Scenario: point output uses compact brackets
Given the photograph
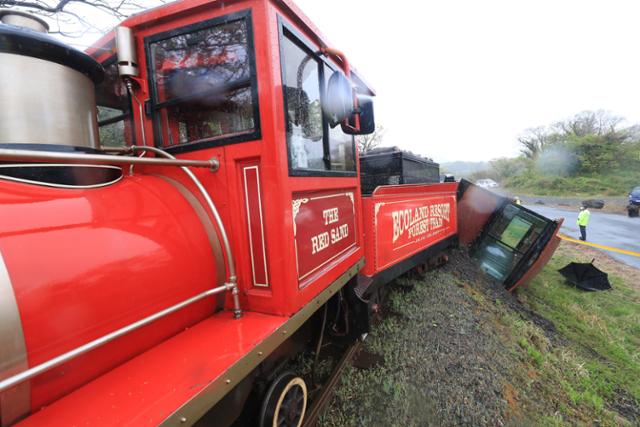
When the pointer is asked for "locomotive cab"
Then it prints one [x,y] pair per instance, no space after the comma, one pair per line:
[255,86]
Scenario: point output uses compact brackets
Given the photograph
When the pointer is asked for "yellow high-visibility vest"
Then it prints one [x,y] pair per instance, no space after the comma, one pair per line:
[583,217]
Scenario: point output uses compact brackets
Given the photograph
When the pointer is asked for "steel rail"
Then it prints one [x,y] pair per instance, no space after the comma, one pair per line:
[65,357]
[324,398]
[103,159]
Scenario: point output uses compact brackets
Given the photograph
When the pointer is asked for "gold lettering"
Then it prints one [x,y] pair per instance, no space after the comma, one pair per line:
[330,216]
[319,242]
[339,233]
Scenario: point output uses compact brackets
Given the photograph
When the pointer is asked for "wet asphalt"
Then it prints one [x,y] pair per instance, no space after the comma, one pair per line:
[605,229]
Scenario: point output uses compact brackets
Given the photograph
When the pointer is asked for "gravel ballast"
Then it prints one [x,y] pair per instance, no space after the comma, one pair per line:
[455,349]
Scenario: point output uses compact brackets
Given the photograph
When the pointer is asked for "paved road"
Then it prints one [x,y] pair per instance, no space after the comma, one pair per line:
[605,229]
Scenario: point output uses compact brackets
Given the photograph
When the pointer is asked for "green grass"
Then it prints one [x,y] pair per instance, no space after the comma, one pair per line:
[602,332]
[575,374]
[592,362]
[618,184]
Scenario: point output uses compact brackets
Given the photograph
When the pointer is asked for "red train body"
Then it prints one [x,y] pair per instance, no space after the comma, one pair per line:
[86,259]
[121,297]
[402,221]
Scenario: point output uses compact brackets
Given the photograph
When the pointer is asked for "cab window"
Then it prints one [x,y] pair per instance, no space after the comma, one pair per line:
[341,145]
[508,241]
[305,135]
[114,108]
[314,147]
[204,86]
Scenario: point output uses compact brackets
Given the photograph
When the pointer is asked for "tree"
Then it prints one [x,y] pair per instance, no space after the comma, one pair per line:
[504,168]
[75,18]
[533,141]
[371,141]
[598,122]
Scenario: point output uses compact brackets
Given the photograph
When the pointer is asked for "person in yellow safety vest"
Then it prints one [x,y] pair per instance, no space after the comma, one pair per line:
[583,221]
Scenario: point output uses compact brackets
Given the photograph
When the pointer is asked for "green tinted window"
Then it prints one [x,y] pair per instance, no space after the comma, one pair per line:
[515,231]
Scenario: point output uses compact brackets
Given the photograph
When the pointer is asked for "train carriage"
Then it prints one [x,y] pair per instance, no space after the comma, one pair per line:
[180,203]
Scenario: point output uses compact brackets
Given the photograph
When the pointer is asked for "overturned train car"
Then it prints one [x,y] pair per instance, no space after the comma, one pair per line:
[179,203]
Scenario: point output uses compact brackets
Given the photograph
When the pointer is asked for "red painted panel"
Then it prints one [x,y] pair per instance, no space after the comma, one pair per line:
[543,258]
[150,387]
[84,263]
[475,208]
[324,228]
[255,222]
[402,223]
[408,226]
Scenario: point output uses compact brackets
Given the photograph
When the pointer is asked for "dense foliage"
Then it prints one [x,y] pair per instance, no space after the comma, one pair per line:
[590,153]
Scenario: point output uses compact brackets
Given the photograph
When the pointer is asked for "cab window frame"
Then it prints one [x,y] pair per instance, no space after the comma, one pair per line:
[127,109]
[153,106]
[287,31]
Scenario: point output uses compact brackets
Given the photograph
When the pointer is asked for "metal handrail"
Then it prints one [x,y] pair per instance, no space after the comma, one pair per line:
[103,159]
[231,277]
[169,160]
[65,357]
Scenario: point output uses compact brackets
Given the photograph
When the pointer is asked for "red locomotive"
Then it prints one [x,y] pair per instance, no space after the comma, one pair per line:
[163,254]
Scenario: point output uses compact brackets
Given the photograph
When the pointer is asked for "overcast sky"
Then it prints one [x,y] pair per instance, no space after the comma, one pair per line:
[460,79]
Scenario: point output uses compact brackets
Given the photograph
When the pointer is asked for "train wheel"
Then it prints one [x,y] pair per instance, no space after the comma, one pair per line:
[420,270]
[285,402]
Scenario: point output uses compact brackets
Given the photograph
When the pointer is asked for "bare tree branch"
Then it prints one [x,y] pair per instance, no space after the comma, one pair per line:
[71,18]
[369,142]
[533,141]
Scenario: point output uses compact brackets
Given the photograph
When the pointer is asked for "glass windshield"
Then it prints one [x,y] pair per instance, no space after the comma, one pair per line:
[341,147]
[515,231]
[114,109]
[304,113]
[204,84]
[314,146]
[508,240]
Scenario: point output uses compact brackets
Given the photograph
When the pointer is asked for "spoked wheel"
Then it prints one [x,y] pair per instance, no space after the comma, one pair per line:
[285,402]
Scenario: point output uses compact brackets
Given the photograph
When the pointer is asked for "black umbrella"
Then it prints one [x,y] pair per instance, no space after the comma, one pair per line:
[586,276]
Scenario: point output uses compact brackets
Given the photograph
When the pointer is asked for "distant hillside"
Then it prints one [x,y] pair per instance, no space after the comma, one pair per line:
[463,169]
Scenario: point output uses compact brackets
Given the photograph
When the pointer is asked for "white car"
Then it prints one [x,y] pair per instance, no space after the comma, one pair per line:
[486,183]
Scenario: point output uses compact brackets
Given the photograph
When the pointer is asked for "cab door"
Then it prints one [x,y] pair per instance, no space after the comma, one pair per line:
[322,170]
[510,242]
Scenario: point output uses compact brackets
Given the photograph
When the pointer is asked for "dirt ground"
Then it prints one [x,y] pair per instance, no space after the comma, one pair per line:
[457,349]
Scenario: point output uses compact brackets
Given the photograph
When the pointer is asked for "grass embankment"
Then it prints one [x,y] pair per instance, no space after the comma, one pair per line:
[618,183]
[458,352]
[599,367]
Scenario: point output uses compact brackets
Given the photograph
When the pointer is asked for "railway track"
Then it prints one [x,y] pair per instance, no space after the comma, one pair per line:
[322,400]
